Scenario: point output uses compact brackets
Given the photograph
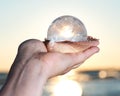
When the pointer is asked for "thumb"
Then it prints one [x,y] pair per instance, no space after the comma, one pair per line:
[79,57]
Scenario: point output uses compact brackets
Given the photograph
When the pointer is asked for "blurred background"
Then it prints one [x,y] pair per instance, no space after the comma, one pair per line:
[26,19]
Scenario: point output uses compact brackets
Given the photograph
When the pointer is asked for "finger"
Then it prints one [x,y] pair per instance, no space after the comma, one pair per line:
[79,58]
[89,43]
[76,66]
[90,38]
[87,53]
[33,45]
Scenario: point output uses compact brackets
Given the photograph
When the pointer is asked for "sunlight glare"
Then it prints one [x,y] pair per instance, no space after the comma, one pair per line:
[66,32]
[67,88]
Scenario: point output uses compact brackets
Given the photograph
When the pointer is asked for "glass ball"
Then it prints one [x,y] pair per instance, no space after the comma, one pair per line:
[67,28]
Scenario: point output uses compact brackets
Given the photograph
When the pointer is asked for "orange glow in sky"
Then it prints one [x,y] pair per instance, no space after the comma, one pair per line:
[26,19]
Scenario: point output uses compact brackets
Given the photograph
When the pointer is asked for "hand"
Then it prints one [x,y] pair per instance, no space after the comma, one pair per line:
[33,65]
[53,63]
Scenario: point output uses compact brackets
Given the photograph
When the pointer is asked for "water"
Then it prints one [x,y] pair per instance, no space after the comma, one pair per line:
[107,87]
[91,84]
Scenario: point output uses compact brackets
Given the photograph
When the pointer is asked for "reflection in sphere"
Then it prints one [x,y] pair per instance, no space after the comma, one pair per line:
[67,28]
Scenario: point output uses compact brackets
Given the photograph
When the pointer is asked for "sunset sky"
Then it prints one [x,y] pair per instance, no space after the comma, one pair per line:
[25,19]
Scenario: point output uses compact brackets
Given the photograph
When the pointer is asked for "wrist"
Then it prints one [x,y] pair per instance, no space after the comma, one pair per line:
[30,81]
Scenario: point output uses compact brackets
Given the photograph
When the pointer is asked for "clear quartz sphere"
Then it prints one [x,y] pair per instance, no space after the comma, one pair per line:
[67,28]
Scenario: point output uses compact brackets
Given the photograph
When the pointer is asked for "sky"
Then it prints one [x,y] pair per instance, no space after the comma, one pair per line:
[26,19]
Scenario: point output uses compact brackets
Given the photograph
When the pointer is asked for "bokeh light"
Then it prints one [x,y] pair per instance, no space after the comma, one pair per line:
[102,74]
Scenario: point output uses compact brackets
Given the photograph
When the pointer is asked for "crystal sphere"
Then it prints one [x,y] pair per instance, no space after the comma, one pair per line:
[67,28]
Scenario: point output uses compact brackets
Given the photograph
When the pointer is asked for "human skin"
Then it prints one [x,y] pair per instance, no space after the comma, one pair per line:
[33,66]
